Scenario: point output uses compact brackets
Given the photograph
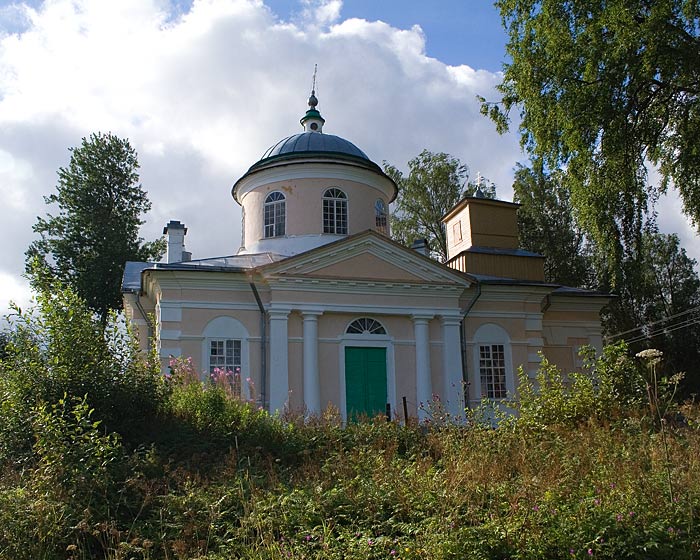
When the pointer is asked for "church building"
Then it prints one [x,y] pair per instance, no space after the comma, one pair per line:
[320,307]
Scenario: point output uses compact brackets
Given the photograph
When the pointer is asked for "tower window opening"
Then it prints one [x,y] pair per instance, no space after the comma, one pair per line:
[275,214]
[381,221]
[335,212]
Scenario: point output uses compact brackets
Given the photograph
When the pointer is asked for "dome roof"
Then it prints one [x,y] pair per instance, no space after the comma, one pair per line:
[314,142]
[313,147]
[311,144]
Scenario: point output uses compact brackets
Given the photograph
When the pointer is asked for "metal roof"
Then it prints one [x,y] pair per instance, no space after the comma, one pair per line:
[313,142]
[131,281]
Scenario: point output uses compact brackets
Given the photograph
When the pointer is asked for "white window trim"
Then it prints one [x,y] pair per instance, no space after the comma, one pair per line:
[274,204]
[335,201]
[384,213]
[486,335]
[228,328]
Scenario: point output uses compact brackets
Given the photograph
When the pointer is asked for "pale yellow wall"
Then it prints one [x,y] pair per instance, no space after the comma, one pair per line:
[493,225]
[397,299]
[458,234]
[304,206]
[406,377]
[138,323]
[365,266]
[296,387]
[328,366]
[504,266]
[482,223]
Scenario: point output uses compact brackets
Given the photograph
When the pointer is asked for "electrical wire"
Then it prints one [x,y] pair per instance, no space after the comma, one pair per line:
[665,330]
[647,325]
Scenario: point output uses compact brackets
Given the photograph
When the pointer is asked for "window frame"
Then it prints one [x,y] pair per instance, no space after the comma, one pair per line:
[490,335]
[381,216]
[221,329]
[493,372]
[334,219]
[366,326]
[274,215]
[230,371]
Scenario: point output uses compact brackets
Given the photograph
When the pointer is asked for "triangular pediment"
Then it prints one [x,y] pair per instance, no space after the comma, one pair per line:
[367,256]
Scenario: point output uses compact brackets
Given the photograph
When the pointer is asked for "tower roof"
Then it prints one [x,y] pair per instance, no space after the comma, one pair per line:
[313,146]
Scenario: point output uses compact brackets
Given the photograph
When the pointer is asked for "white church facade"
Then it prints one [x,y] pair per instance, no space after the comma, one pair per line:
[320,307]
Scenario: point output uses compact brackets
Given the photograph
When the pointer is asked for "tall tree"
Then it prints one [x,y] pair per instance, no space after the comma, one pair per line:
[100,204]
[547,226]
[603,88]
[659,305]
[435,183]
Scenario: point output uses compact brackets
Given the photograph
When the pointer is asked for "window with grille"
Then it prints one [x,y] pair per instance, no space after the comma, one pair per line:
[365,325]
[335,212]
[225,362]
[380,217]
[492,368]
[274,214]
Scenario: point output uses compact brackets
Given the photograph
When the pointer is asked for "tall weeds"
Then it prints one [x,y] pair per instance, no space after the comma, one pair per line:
[581,471]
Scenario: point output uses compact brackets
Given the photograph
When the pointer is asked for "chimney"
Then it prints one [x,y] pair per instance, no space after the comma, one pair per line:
[176,242]
[421,245]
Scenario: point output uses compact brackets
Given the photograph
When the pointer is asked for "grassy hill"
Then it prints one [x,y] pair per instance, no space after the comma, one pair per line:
[101,457]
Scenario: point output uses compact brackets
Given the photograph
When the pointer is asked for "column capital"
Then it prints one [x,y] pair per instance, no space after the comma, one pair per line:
[310,314]
[279,312]
[419,318]
[450,320]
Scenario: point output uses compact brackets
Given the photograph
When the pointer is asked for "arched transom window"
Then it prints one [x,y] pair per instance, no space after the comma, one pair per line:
[335,212]
[380,217]
[274,214]
[365,325]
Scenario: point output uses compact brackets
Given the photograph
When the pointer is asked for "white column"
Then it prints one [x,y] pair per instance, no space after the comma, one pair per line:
[452,387]
[424,387]
[279,360]
[312,384]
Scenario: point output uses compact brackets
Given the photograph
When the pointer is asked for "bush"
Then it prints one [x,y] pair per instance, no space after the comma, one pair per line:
[62,349]
[608,387]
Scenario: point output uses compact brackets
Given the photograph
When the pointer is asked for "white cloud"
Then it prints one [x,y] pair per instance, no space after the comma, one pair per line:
[321,13]
[202,92]
[12,290]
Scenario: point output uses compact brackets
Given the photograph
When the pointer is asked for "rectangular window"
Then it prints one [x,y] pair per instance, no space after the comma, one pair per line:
[225,356]
[457,232]
[492,369]
[335,216]
[274,215]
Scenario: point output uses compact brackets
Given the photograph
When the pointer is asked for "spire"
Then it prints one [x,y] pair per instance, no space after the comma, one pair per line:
[312,121]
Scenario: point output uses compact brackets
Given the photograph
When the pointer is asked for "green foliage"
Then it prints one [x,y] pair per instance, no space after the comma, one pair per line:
[582,473]
[546,225]
[61,348]
[602,89]
[78,476]
[434,185]
[100,206]
[661,283]
[607,388]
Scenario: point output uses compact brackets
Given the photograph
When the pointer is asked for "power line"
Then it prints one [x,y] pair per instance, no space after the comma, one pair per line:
[647,325]
[665,330]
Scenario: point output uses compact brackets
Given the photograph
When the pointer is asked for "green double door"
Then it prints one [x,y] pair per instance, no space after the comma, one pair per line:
[365,381]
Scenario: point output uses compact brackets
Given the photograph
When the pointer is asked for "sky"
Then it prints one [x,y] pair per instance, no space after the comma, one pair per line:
[201,89]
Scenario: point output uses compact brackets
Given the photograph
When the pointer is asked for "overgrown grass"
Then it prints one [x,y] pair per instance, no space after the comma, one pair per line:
[589,469]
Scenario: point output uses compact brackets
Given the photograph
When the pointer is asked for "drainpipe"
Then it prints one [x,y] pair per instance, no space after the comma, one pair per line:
[263,343]
[463,336]
[546,303]
[146,318]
